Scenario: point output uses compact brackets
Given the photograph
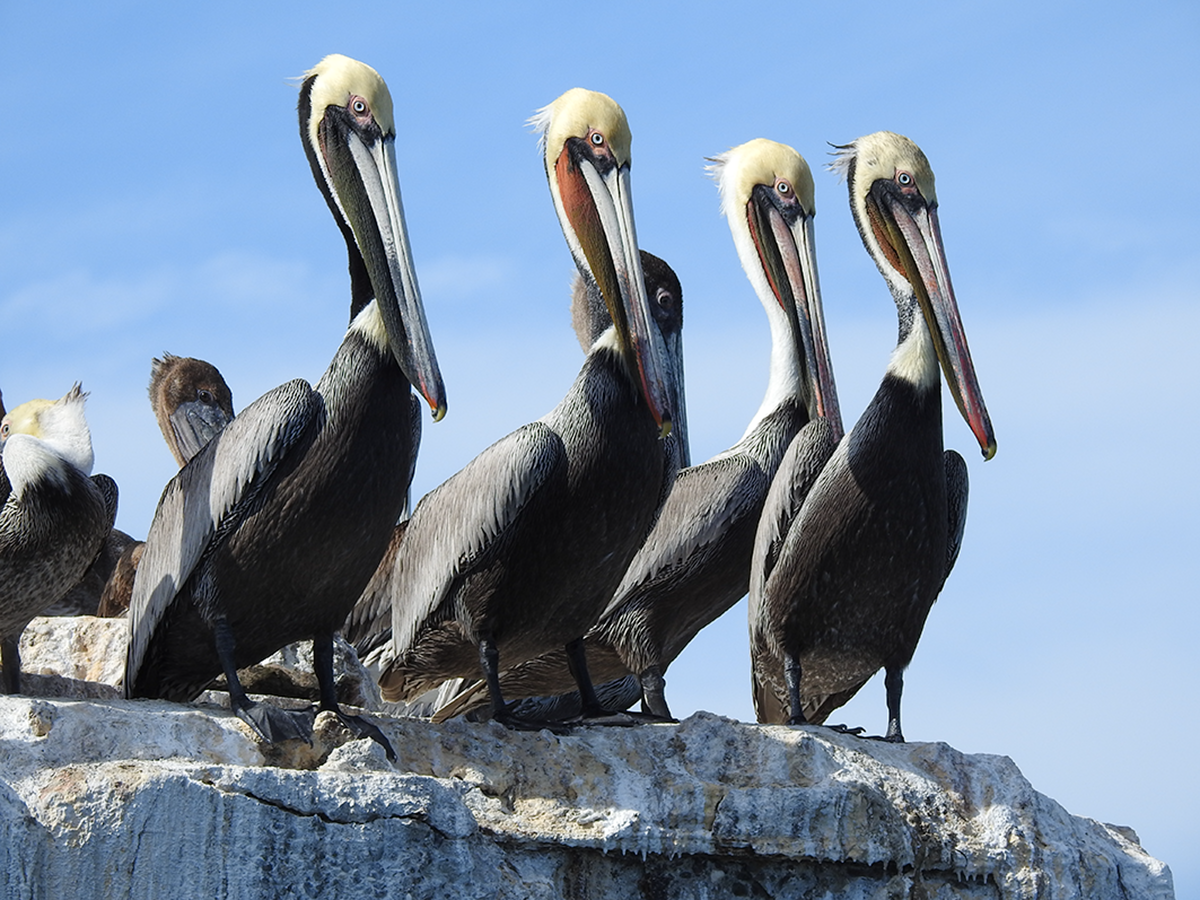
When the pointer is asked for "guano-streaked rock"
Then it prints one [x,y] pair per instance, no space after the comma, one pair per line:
[148,799]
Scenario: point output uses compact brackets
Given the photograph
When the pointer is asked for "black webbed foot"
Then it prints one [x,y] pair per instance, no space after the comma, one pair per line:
[605,717]
[274,725]
[513,722]
[619,718]
[361,727]
[857,730]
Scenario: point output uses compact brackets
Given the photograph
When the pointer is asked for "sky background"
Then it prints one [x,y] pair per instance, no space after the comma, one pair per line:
[154,197]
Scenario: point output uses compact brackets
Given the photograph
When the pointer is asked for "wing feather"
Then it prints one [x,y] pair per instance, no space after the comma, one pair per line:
[957,488]
[804,460]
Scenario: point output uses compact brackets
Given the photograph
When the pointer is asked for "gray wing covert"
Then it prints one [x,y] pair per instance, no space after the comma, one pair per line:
[804,460]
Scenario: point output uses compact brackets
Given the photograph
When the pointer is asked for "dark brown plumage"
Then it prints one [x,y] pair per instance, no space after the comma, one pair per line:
[191,404]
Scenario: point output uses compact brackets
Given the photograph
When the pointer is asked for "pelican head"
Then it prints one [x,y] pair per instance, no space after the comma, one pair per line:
[894,204]
[348,131]
[39,436]
[767,197]
[585,140]
[191,401]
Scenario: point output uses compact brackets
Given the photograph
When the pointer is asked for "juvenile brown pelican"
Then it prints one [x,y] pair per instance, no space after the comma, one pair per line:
[519,552]
[55,517]
[695,564]
[843,582]
[191,404]
[272,530]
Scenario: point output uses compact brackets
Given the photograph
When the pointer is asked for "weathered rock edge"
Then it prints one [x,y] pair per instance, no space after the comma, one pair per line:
[148,799]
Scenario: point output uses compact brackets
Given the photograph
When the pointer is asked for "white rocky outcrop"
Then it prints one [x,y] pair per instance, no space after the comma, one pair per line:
[148,799]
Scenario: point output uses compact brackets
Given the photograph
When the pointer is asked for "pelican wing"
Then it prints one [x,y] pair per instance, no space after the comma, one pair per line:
[956,507]
[208,496]
[704,503]
[804,460]
[461,522]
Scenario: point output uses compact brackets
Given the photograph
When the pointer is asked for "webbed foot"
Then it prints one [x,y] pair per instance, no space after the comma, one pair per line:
[516,723]
[620,718]
[274,725]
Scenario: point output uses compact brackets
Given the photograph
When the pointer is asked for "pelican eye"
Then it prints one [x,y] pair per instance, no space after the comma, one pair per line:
[359,107]
[906,181]
[597,139]
[783,187]
[4,431]
[204,396]
[663,298]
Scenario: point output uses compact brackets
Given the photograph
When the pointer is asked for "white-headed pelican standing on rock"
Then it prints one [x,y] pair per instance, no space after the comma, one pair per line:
[270,533]
[843,581]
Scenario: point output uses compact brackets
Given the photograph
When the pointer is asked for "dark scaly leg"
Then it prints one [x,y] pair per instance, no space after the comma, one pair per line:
[323,666]
[893,681]
[592,712]
[10,659]
[791,676]
[654,699]
[489,661]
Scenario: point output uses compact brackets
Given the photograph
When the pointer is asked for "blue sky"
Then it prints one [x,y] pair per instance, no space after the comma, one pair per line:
[156,198]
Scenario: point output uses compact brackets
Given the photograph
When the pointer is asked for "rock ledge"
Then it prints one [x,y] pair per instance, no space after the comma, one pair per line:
[148,799]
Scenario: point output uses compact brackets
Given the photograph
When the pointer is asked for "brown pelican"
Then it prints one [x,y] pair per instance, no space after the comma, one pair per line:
[272,530]
[842,582]
[369,625]
[54,519]
[695,564]
[519,552]
[191,404]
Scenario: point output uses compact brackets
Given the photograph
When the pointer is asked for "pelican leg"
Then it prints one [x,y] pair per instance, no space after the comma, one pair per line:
[893,681]
[489,661]
[268,722]
[10,660]
[791,675]
[577,663]
[654,701]
[323,666]
[592,711]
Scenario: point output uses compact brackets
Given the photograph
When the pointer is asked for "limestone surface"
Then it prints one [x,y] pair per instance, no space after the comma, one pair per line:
[149,799]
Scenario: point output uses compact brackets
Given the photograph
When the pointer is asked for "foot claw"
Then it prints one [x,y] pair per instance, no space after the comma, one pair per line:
[362,728]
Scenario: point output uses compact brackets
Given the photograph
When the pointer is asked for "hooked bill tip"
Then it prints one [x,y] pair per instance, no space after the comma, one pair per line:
[438,411]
